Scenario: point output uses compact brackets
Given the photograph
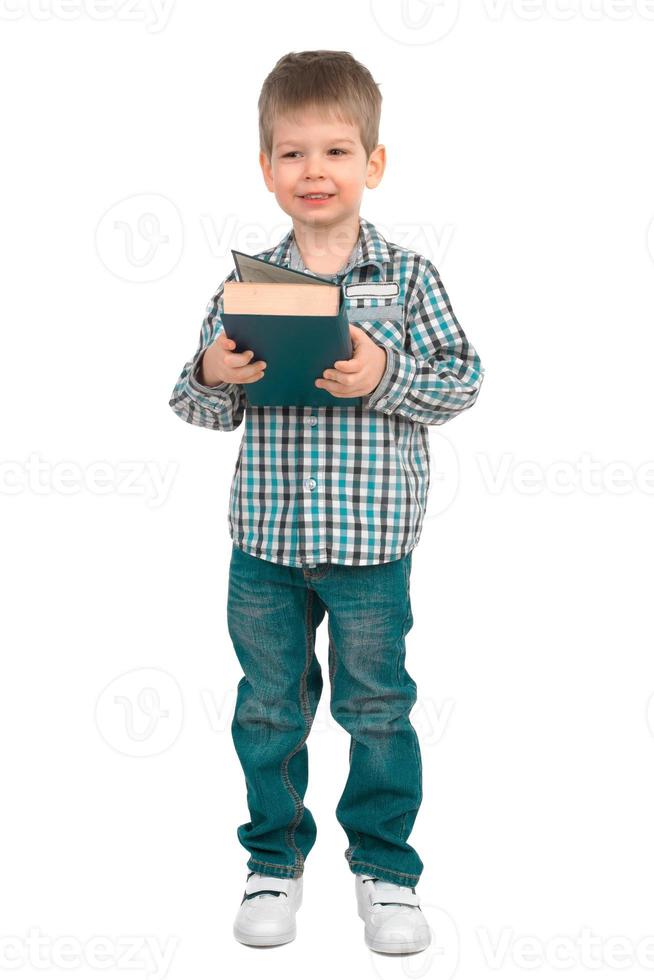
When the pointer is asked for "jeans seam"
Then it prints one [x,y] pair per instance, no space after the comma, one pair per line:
[406,619]
[332,651]
[306,709]
[416,738]
[351,849]
[332,672]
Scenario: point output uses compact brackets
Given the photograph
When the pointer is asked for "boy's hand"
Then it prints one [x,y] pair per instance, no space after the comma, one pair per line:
[361,374]
[222,363]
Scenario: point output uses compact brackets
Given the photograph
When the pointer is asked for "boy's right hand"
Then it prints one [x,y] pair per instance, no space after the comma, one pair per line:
[221,363]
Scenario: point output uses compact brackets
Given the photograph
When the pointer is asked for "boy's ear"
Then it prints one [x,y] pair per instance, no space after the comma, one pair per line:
[266,169]
[376,166]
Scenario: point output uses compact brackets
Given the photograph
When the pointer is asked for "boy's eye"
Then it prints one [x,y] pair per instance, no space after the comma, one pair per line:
[336,148]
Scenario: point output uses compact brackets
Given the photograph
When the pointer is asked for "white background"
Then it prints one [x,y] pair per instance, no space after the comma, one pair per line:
[520,160]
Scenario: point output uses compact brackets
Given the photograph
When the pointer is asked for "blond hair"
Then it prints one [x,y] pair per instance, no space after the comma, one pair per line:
[331,82]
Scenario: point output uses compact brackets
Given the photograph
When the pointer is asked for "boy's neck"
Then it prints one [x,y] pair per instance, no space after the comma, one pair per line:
[324,250]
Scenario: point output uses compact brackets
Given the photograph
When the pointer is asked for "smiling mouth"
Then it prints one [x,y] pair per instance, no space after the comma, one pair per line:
[315,197]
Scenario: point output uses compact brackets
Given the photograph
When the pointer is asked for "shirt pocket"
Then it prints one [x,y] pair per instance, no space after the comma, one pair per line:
[381,318]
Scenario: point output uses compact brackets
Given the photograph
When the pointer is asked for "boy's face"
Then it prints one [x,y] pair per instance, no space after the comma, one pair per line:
[317,155]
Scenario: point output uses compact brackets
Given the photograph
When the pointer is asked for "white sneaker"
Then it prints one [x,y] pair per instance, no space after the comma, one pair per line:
[266,916]
[392,914]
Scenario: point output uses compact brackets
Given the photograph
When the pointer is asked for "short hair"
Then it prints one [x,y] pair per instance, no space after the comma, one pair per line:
[331,82]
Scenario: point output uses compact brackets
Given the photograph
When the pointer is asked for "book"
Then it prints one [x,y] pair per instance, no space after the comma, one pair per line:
[297,323]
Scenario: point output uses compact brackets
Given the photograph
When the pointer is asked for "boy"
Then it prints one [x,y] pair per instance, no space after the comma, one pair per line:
[326,505]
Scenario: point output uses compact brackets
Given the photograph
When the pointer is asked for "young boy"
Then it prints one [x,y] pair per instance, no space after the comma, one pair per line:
[326,505]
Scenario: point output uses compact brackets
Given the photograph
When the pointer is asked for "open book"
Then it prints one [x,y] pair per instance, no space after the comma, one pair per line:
[295,322]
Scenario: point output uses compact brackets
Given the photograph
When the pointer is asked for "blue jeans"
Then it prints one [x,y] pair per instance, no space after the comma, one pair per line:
[273,612]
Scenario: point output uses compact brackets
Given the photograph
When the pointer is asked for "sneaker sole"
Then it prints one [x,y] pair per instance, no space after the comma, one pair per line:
[398,947]
[248,940]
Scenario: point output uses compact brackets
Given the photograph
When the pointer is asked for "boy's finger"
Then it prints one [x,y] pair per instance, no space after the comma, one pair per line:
[334,388]
[251,368]
[350,365]
[343,377]
[236,360]
[252,375]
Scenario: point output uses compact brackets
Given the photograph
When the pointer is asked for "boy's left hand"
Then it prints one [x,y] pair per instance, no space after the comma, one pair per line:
[361,374]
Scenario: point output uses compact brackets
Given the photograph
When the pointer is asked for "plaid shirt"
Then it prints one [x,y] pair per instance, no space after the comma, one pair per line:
[346,485]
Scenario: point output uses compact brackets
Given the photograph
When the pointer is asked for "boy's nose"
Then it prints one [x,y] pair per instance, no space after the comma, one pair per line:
[314,170]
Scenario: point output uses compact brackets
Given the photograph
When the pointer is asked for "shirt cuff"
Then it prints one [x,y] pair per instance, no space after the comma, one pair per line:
[395,382]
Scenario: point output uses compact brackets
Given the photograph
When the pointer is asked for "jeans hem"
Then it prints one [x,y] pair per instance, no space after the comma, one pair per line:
[281,870]
[387,874]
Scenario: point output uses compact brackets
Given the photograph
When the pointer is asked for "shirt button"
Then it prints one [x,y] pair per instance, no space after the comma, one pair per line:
[414,416]
[310,484]
[311,419]
[382,402]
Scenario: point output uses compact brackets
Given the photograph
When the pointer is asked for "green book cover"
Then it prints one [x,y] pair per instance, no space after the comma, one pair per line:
[296,349]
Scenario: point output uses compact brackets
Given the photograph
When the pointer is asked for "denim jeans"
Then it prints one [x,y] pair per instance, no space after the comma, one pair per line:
[273,612]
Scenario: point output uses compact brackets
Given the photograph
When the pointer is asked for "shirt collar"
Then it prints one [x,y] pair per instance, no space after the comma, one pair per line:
[371,249]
